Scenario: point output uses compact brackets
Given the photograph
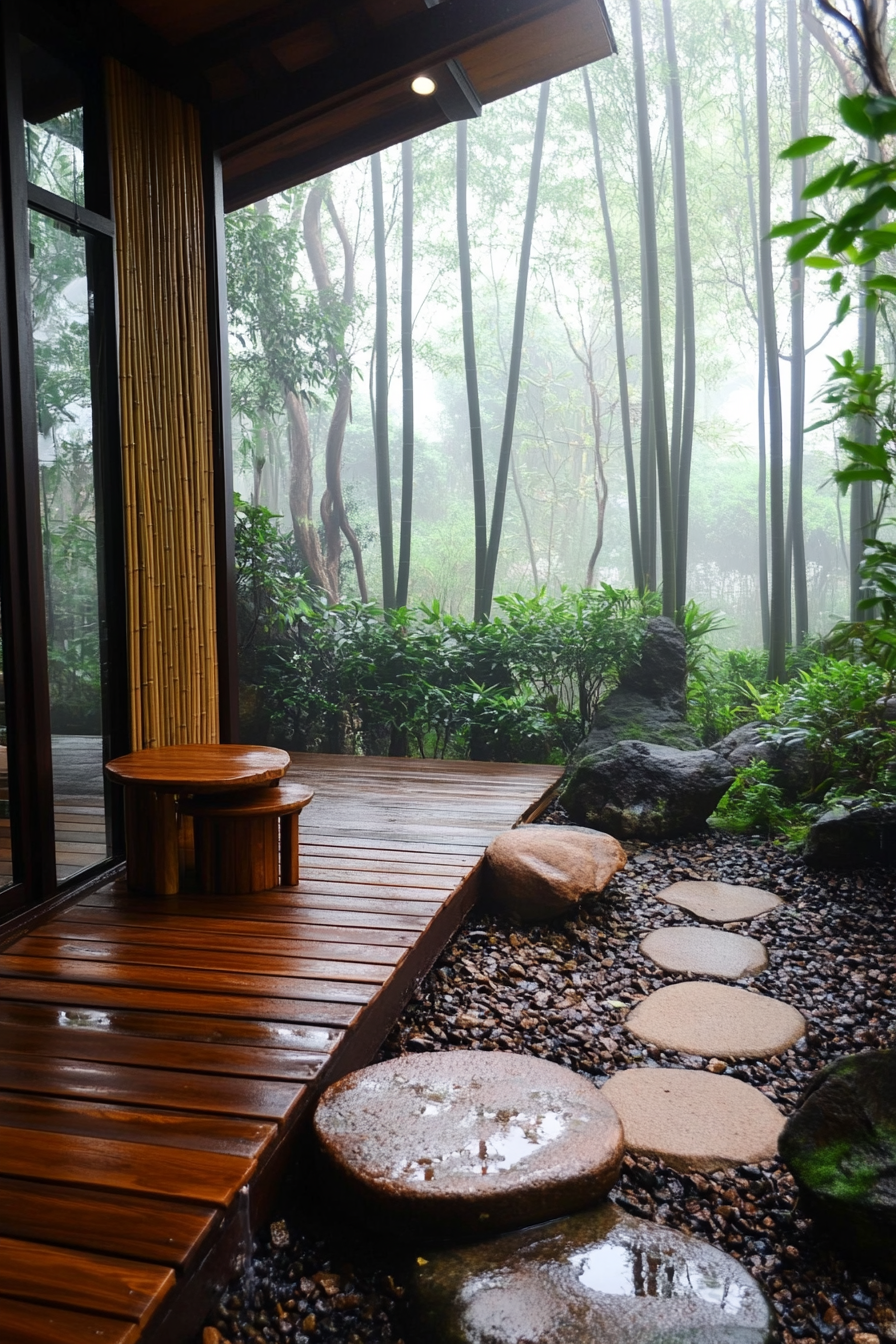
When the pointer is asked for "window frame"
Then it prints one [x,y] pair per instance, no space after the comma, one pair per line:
[26,680]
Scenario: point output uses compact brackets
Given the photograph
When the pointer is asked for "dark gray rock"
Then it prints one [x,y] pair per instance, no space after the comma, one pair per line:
[626,716]
[650,702]
[744,746]
[640,789]
[661,674]
[598,1276]
[785,752]
[851,834]
[841,1147]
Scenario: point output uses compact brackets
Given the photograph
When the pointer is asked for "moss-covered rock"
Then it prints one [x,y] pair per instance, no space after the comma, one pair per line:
[641,789]
[841,1147]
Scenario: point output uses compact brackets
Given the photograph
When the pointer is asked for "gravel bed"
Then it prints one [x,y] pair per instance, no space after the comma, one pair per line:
[562,991]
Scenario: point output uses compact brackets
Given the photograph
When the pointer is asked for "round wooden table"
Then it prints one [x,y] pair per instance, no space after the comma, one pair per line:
[151,780]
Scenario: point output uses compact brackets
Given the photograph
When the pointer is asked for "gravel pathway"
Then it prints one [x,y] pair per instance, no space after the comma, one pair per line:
[562,991]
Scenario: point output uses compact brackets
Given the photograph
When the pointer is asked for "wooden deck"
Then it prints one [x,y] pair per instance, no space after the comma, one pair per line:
[158,1055]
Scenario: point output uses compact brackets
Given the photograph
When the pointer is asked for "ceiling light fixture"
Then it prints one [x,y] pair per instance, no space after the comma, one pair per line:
[423,85]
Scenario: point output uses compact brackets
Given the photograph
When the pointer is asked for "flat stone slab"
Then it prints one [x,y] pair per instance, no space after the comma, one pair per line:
[718,1021]
[694,1121]
[469,1141]
[687,949]
[539,872]
[720,902]
[600,1277]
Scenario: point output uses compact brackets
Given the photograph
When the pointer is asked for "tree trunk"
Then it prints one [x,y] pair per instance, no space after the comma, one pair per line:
[648,450]
[654,323]
[381,402]
[779,595]
[798,128]
[407,372]
[861,494]
[621,366]
[687,380]
[601,487]
[516,355]
[762,501]
[472,379]
[301,492]
[533,561]
[332,505]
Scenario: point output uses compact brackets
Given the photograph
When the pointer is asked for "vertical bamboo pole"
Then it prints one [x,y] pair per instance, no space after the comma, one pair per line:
[165,413]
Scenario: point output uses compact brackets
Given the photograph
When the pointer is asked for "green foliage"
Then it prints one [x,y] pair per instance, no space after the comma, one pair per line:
[865,402]
[522,686]
[834,716]
[755,803]
[837,712]
[281,332]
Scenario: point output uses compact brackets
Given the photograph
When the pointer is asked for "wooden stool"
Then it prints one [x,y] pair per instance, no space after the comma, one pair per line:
[247,841]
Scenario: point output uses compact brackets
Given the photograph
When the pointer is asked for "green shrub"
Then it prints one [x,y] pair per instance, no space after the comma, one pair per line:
[755,804]
[521,686]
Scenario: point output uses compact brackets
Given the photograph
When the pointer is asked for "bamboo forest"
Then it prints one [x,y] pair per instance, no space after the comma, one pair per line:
[505,393]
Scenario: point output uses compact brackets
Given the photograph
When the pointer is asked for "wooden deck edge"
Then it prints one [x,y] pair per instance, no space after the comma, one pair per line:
[195,1293]
[541,804]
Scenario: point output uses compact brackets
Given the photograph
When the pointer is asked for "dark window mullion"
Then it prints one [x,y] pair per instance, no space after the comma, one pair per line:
[23,612]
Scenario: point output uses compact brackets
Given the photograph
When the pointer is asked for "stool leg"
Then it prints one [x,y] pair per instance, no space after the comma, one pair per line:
[204,832]
[289,850]
[151,841]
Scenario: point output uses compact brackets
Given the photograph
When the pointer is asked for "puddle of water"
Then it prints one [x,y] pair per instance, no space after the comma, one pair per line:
[515,1140]
[620,1269]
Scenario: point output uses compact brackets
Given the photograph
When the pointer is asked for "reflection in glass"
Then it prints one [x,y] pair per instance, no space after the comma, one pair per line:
[5,837]
[61,306]
[54,124]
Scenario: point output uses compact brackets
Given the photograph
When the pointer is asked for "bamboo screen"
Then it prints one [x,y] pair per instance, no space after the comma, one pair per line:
[165,413]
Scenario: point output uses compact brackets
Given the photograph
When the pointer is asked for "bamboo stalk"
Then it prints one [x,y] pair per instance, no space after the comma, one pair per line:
[165,388]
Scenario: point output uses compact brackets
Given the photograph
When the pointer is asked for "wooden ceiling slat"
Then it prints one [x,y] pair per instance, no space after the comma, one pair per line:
[296,88]
[418,42]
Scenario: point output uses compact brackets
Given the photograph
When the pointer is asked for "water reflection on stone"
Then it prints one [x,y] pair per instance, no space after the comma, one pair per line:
[599,1277]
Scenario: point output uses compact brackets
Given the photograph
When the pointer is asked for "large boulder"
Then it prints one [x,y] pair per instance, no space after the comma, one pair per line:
[785,752]
[745,745]
[641,789]
[851,834]
[600,1276]
[841,1147]
[539,872]
[650,702]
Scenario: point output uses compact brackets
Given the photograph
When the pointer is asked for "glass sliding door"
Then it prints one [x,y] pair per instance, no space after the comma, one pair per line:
[61,303]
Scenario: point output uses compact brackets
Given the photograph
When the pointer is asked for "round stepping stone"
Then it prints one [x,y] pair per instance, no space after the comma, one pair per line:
[692,1120]
[718,1021]
[720,902]
[691,950]
[539,872]
[469,1140]
[597,1276]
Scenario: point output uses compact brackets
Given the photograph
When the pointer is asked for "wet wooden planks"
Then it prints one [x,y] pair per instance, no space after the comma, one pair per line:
[157,1055]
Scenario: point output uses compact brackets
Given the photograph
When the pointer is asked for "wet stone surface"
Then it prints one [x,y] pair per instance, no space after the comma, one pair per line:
[699,1017]
[539,872]
[561,992]
[600,1275]
[468,1142]
[692,1119]
[702,951]
[841,1146]
[719,902]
